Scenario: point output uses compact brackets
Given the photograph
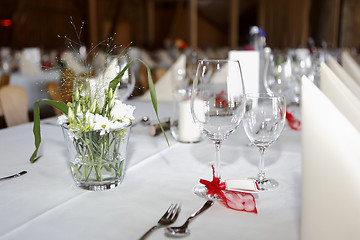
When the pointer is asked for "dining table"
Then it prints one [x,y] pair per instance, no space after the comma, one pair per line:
[45,203]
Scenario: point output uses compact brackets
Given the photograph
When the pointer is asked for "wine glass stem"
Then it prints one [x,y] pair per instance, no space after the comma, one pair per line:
[261,174]
[217,160]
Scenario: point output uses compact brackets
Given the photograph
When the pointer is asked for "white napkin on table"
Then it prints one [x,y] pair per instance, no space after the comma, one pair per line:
[250,67]
[147,59]
[331,164]
[351,66]
[344,76]
[164,86]
[340,95]
[30,61]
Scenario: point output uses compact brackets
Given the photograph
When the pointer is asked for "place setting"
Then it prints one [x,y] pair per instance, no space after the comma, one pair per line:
[179,119]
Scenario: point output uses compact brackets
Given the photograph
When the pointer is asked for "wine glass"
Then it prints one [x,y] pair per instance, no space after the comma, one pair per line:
[127,82]
[263,122]
[278,75]
[217,104]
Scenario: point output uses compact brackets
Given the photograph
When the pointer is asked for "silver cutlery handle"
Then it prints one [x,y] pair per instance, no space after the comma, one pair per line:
[148,233]
[14,176]
[202,209]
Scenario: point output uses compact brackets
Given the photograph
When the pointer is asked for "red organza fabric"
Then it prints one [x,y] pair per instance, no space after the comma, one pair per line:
[293,122]
[239,201]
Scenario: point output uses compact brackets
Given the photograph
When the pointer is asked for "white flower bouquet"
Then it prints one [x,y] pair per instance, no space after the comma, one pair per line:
[94,110]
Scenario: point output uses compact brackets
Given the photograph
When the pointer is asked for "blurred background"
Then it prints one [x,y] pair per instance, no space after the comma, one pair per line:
[45,45]
[200,23]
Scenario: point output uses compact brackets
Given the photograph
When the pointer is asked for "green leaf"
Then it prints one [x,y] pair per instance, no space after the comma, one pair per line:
[114,83]
[36,129]
[59,105]
[154,98]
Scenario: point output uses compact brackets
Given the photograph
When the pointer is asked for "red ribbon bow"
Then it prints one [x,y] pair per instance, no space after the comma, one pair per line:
[239,201]
[293,122]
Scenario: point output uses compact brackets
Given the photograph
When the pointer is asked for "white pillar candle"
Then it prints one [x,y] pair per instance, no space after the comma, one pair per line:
[188,130]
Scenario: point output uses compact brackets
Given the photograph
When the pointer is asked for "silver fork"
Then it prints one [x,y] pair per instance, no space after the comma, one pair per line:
[168,218]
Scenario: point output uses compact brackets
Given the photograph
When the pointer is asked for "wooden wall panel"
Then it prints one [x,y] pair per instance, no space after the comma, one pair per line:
[288,23]
[285,22]
[350,25]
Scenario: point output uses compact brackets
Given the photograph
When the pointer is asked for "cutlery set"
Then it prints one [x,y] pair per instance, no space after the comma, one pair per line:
[170,217]
[14,175]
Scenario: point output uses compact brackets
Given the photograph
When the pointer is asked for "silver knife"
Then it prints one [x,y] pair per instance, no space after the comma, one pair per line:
[13,176]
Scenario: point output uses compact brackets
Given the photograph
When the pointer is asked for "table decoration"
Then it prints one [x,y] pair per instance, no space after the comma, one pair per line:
[96,126]
[234,199]
[294,123]
[182,125]
[97,140]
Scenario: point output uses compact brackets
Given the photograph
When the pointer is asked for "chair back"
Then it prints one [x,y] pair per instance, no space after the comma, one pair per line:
[4,80]
[55,94]
[14,104]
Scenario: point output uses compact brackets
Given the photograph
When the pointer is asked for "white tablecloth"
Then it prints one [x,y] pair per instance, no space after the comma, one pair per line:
[46,204]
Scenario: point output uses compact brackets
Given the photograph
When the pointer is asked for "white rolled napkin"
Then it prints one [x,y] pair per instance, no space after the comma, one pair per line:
[30,61]
[344,76]
[350,65]
[340,95]
[330,174]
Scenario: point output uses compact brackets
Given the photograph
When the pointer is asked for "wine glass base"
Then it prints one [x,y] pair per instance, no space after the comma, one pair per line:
[200,191]
[267,184]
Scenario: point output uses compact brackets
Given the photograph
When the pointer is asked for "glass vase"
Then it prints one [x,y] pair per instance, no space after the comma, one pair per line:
[97,158]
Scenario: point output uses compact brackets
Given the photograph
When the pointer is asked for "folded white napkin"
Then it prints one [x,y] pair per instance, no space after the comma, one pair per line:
[147,59]
[30,61]
[330,175]
[164,86]
[344,76]
[340,95]
[351,66]
[250,67]
[164,58]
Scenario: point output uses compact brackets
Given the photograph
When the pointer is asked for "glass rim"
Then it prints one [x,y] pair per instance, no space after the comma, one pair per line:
[218,60]
[65,126]
[263,95]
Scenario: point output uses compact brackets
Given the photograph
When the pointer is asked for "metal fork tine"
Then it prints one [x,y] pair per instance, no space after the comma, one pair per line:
[177,211]
[168,212]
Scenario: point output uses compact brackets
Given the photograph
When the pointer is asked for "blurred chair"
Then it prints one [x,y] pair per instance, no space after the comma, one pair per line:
[14,104]
[4,80]
[55,94]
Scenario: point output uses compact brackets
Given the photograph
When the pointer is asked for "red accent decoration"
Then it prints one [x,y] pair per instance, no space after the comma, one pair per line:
[293,122]
[239,201]
[249,47]
[6,22]
[221,100]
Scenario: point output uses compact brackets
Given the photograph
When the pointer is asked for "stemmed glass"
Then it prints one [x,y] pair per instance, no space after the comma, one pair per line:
[217,104]
[127,83]
[263,122]
[278,76]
